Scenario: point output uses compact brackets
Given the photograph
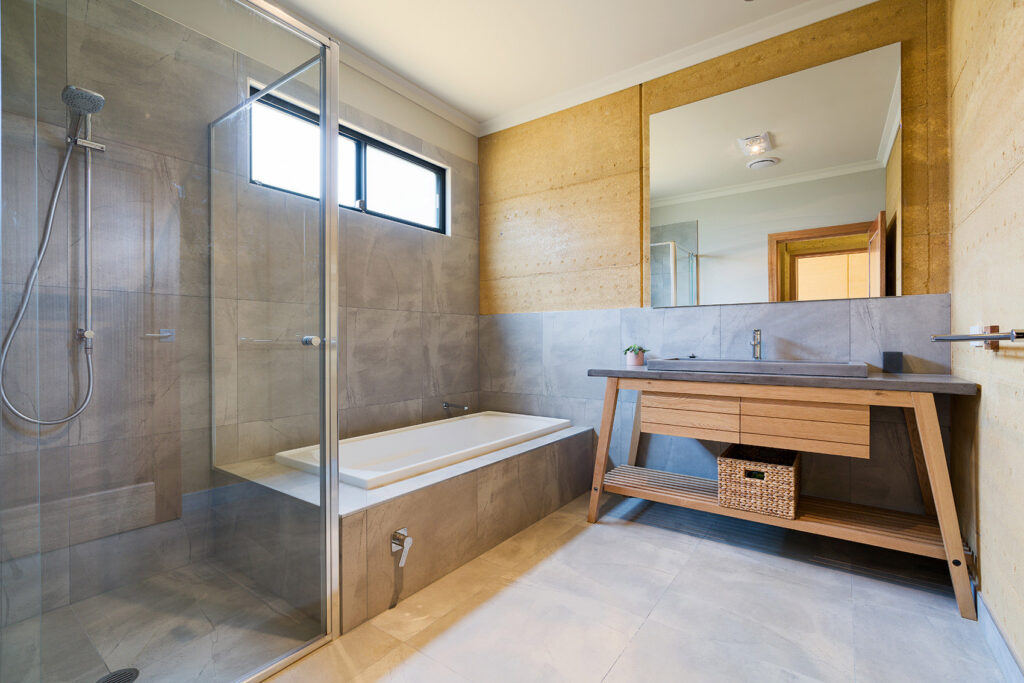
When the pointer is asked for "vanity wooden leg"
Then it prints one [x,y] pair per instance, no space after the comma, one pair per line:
[942,491]
[634,440]
[919,464]
[604,439]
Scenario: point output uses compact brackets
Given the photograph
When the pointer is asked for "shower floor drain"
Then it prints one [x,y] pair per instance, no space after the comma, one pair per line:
[120,676]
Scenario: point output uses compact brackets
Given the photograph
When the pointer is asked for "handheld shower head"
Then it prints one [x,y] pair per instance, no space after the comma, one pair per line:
[81,102]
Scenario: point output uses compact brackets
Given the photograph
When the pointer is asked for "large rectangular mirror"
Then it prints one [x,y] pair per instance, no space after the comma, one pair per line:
[785,190]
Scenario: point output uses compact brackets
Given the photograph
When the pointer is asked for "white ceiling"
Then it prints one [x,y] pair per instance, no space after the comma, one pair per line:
[499,63]
[835,118]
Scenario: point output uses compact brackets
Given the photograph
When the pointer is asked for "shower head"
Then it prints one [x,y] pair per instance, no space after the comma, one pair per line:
[81,102]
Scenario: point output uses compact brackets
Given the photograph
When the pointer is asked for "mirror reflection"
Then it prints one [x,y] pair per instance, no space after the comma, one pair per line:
[785,190]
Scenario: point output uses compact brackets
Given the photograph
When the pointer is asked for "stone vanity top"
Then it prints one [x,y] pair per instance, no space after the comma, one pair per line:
[933,384]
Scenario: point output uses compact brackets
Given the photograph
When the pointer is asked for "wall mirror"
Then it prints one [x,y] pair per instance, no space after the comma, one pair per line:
[785,190]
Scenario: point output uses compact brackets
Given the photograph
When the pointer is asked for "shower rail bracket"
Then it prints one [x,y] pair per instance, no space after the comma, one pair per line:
[89,144]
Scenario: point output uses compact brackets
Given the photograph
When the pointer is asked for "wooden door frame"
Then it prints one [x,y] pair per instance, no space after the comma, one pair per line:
[777,239]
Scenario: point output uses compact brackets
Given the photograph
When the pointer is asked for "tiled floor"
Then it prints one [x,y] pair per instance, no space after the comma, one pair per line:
[196,623]
[653,593]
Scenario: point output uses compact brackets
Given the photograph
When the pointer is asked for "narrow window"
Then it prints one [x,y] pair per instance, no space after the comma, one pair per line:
[373,176]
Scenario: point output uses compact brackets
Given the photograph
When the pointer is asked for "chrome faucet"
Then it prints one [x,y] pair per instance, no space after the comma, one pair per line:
[756,343]
[449,406]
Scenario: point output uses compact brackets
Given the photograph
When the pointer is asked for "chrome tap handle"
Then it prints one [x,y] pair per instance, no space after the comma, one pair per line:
[401,540]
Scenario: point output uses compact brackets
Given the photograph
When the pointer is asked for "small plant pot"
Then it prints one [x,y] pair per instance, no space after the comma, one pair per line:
[634,359]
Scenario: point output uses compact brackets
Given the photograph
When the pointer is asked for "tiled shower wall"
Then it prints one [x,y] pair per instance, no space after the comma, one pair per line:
[537,363]
[409,302]
[143,442]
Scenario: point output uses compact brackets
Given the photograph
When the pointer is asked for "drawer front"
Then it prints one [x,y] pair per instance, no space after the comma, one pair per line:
[833,428]
[697,417]
[805,410]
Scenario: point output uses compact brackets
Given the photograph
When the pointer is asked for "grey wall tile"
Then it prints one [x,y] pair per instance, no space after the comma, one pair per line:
[353,571]
[385,358]
[451,353]
[121,49]
[902,324]
[805,330]
[31,158]
[511,353]
[451,274]
[378,418]
[384,263]
[574,342]
[442,521]
[574,409]
[433,405]
[674,332]
[40,357]
[575,465]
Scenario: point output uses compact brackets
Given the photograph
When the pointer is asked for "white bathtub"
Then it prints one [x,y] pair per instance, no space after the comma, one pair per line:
[378,459]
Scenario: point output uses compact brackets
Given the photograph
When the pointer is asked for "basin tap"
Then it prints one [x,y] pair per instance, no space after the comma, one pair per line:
[756,343]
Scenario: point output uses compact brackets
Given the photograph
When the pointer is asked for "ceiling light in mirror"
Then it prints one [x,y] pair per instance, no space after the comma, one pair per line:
[756,144]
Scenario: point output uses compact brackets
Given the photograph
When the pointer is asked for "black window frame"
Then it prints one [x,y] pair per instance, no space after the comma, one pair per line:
[362,142]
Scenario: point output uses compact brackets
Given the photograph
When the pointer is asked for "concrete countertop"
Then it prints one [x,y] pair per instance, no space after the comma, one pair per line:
[933,384]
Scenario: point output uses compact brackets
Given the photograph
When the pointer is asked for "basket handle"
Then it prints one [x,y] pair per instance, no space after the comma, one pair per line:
[754,474]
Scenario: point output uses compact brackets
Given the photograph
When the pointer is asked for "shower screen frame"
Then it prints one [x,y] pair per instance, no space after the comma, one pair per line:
[330,104]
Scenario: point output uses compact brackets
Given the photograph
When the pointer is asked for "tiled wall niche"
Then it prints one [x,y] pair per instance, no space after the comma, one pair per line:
[537,363]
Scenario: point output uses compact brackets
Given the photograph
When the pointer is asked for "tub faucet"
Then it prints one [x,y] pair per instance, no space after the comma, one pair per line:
[756,343]
[449,406]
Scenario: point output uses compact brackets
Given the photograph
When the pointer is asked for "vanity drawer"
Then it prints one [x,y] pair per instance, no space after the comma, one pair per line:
[833,428]
[697,417]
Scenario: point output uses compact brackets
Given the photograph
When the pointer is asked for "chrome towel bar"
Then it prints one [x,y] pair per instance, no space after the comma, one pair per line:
[1011,336]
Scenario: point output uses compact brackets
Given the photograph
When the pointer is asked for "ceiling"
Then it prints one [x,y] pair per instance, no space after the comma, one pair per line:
[832,119]
[499,63]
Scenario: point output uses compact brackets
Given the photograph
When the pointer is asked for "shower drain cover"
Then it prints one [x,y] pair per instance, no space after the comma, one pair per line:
[120,676]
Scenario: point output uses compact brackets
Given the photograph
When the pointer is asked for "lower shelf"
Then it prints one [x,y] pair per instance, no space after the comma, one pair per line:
[873,526]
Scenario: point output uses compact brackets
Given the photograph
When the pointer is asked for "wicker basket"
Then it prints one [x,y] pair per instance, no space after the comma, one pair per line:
[764,480]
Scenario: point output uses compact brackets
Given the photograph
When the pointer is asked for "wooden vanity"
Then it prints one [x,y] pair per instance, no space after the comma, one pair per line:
[811,414]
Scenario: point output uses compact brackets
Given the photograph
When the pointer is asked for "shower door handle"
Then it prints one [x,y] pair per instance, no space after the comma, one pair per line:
[311,340]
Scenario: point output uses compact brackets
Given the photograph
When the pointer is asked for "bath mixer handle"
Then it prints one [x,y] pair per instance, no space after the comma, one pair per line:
[311,340]
[401,540]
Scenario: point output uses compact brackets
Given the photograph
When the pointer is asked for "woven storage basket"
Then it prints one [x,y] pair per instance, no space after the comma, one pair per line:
[764,480]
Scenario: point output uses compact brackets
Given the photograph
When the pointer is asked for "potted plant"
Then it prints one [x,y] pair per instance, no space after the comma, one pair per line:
[635,355]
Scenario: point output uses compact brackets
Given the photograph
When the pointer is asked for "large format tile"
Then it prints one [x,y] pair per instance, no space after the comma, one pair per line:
[511,353]
[674,332]
[277,375]
[122,50]
[50,647]
[384,263]
[451,274]
[385,356]
[529,633]
[451,353]
[801,330]
[575,341]
[902,324]
[442,522]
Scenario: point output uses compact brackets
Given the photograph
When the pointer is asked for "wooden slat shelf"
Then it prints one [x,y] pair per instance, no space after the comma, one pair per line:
[874,526]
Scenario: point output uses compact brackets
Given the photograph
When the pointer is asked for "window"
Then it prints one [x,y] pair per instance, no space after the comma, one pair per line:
[373,177]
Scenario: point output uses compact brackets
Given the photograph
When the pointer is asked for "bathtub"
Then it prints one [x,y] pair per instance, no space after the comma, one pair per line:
[386,457]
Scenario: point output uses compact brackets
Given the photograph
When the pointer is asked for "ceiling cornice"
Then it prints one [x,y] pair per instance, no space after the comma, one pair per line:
[808,176]
[783,22]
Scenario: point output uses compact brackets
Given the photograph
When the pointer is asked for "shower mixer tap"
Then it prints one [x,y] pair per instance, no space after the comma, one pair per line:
[401,541]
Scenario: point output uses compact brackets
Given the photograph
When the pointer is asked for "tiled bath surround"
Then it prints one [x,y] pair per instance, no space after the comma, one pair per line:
[455,520]
[538,362]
